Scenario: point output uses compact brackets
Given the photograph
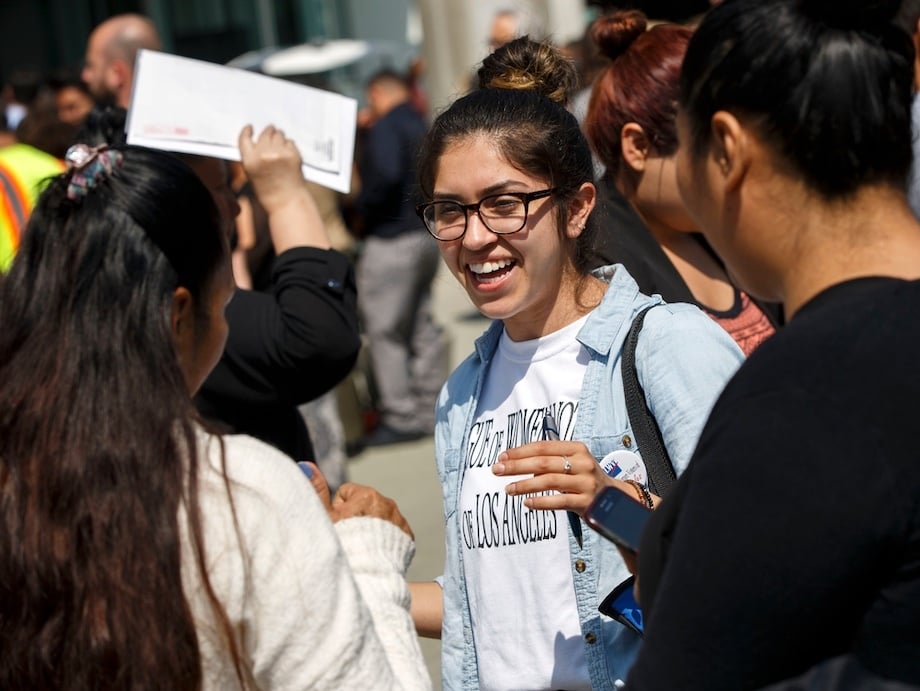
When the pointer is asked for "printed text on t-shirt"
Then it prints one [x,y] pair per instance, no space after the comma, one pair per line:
[487,440]
[495,518]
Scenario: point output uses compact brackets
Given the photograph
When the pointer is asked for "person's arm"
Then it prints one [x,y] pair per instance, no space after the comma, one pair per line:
[298,342]
[427,607]
[273,166]
[683,359]
[364,522]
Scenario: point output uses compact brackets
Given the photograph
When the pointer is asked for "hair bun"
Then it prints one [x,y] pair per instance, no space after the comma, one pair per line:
[613,34]
[852,14]
[528,65]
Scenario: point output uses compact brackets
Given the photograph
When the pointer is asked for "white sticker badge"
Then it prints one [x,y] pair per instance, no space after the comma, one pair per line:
[625,465]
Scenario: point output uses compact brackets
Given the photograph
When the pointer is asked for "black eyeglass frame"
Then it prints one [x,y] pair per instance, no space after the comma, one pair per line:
[525,197]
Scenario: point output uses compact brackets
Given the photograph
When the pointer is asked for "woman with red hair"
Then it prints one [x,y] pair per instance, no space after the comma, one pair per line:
[632,126]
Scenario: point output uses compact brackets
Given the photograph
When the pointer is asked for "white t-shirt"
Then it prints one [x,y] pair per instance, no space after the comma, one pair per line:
[516,561]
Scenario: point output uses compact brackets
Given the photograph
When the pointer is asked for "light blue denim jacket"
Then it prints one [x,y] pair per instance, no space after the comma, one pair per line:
[683,360]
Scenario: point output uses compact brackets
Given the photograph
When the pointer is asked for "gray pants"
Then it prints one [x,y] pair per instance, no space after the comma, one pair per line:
[408,350]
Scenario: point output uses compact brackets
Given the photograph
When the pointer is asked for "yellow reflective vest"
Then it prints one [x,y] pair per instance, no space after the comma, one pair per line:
[24,170]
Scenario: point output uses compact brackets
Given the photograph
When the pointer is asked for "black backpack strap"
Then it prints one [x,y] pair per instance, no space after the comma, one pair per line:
[644,427]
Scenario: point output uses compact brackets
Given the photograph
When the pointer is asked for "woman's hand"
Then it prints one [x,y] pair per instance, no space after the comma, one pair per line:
[569,469]
[358,500]
[273,166]
[548,461]
[564,466]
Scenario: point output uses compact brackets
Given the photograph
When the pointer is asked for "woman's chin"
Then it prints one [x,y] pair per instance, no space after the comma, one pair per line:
[490,308]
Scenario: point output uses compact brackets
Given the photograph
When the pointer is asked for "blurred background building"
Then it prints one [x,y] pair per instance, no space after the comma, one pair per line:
[448,35]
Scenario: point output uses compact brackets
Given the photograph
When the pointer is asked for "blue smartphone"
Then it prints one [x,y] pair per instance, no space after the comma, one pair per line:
[617,517]
[621,605]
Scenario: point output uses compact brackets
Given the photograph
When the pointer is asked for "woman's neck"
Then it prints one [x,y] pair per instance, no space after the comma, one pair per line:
[873,234]
[578,295]
[706,280]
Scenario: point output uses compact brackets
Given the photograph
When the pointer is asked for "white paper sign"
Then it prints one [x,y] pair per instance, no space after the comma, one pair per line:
[197,107]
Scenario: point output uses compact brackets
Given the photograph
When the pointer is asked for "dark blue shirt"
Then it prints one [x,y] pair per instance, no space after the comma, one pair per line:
[388,173]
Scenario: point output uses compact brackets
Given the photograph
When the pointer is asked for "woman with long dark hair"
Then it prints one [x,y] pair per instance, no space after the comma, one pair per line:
[138,551]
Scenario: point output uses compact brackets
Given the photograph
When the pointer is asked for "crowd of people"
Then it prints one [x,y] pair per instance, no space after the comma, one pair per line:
[697,260]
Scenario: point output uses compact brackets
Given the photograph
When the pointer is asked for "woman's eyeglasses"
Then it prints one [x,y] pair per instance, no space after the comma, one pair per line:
[503,214]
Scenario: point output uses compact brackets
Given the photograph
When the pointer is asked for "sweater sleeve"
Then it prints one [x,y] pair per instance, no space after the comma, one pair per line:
[304,617]
[379,554]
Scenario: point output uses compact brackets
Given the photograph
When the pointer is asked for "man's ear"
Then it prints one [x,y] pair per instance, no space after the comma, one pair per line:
[580,208]
[732,148]
[634,146]
[121,72]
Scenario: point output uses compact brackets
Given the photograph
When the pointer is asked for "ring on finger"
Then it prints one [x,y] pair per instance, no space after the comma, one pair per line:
[566,465]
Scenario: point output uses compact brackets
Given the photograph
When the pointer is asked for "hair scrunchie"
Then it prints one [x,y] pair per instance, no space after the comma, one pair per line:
[89,165]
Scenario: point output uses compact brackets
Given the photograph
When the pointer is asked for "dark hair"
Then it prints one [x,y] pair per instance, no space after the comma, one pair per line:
[826,84]
[908,15]
[26,84]
[104,125]
[97,434]
[639,85]
[530,65]
[533,133]
[67,77]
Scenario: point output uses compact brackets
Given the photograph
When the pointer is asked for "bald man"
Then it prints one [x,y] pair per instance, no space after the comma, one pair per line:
[110,55]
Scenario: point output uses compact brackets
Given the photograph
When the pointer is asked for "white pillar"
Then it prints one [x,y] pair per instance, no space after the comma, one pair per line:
[449,29]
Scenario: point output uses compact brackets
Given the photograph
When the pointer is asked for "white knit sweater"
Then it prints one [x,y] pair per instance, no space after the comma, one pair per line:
[312,606]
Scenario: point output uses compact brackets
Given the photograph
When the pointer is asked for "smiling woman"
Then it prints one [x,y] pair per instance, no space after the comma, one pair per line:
[514,275]
[508,175]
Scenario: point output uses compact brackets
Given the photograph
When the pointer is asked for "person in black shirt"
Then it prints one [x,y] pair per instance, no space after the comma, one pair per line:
[293,343]
[793,539]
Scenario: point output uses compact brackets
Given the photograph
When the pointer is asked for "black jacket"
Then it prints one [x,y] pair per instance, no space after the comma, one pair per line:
[285,348]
